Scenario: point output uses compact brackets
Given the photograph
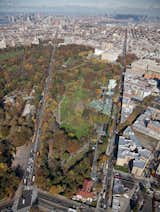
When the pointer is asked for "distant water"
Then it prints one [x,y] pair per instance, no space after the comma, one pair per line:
[4,20]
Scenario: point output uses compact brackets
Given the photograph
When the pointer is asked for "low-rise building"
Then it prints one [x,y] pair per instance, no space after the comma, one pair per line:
[129,149]
[111,55]
[147,124]
[85,194]
[138,167]
[136,88]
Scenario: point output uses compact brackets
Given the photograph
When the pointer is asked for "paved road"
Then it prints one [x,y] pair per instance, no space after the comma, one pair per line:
[142,179]
[147,204]
[94,163]
[6,206]
[105,198]
[48,206]
[57,202]
[27,196]
[49,202]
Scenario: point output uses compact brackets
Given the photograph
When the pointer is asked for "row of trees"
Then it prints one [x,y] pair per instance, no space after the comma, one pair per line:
[20,70]
[51,176]
[7,173]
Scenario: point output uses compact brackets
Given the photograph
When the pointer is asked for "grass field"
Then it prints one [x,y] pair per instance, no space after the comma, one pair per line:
[82,84]
[72,109]
[10,54]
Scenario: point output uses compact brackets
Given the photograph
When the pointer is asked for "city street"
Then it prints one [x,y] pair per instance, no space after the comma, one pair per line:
[104,200]
[26,198]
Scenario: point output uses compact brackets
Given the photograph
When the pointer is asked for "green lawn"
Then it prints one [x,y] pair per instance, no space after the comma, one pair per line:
[79,130]
[122,168]
[10,54]
[71,117]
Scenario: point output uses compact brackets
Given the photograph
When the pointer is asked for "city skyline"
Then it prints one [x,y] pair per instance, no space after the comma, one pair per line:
[83,7]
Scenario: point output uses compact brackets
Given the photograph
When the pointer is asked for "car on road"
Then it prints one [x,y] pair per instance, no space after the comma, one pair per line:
[126,196]
[94,147]
[72,210]
[23,201]
[33,178]
[24,181]
[104,206]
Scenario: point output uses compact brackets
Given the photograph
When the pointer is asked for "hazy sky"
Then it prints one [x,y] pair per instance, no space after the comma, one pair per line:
[132,5]
[90,3]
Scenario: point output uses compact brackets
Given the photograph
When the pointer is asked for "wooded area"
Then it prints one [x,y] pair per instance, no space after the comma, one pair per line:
[20,70]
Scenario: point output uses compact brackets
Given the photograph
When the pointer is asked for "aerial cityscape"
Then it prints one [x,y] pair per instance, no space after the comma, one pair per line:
[80,106]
